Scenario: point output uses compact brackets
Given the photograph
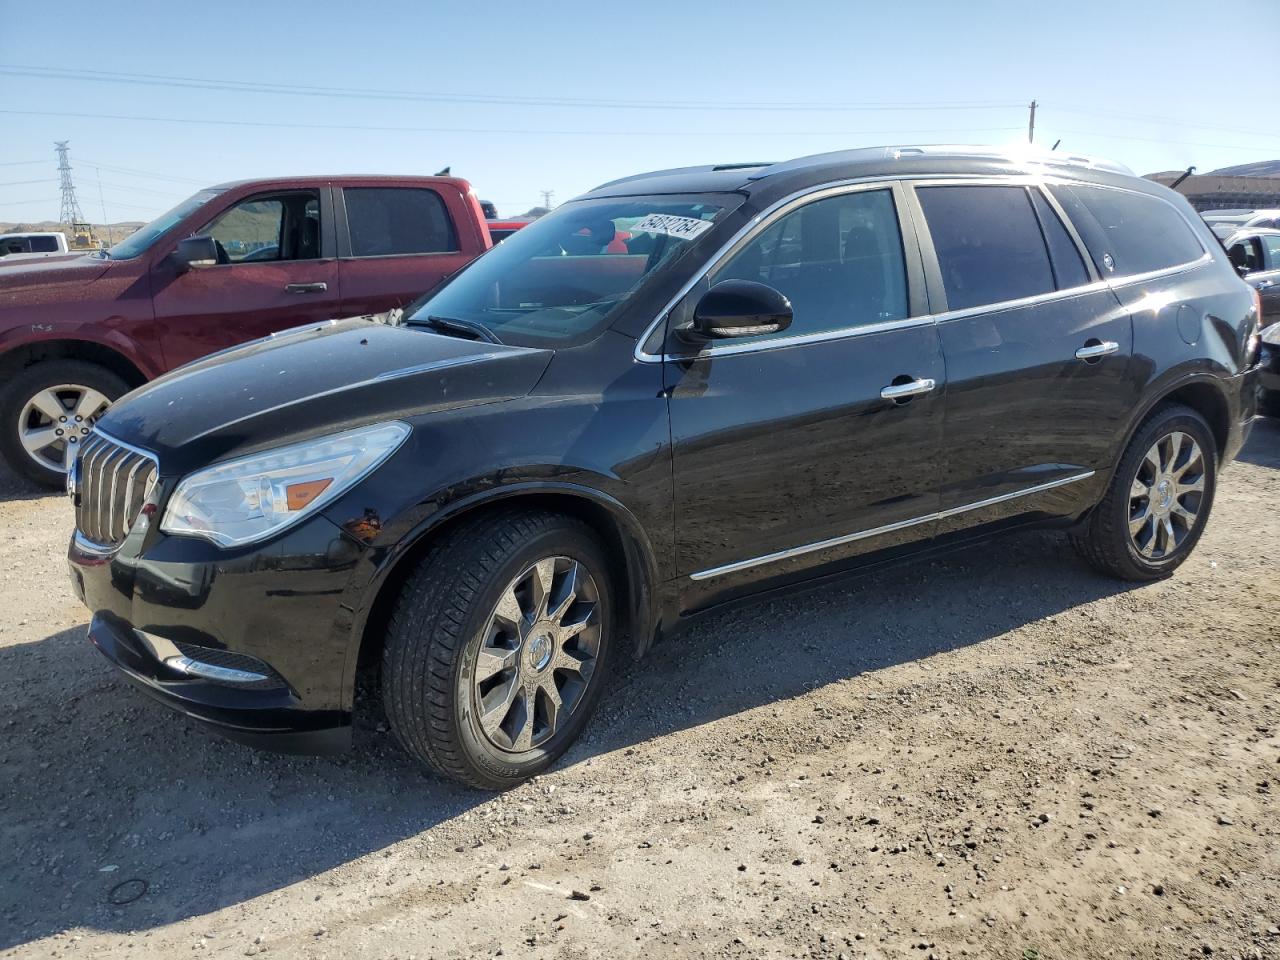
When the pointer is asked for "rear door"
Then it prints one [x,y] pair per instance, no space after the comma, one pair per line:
[1037,353]
[786,453]
[276,270]
[397,242]
[1267,282]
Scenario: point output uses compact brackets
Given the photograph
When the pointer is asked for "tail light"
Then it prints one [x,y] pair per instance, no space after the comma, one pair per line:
[1253,343]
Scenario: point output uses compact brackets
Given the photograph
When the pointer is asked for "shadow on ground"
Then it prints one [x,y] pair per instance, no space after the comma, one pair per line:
[107,794]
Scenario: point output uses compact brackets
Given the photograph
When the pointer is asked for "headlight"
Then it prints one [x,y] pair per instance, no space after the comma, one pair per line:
[246,500]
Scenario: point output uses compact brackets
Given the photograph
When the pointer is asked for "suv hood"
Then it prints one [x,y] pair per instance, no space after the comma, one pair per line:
[311,381]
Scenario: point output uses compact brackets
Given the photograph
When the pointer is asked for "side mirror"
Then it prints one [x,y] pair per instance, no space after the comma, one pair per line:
[1242,269]
[196,252]
[738,308]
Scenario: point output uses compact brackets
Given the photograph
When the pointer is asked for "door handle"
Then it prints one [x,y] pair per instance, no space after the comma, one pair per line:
[1096,350]
[905,391]
[306,288]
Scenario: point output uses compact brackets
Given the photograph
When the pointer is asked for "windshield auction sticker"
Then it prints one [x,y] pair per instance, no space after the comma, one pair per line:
[683,228]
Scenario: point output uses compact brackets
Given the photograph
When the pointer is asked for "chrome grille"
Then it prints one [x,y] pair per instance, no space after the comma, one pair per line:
[111,481]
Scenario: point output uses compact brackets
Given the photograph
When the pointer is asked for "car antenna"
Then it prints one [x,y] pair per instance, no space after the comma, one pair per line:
[1188,172]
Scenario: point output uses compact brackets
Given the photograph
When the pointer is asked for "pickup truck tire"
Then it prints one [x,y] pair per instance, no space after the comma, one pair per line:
[1159,499]
[48,397]
[497,647]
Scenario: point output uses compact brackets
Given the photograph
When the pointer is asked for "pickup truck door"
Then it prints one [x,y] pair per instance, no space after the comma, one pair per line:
[275,270]
[397,241]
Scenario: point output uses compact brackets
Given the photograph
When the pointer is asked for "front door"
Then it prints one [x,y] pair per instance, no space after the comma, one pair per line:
[786,453]
[1267,280]
[1037,355]
[273,273]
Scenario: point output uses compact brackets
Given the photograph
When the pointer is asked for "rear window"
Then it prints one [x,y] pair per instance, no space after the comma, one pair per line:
[1134,233]
[391,221]
[988,244]
[44,244]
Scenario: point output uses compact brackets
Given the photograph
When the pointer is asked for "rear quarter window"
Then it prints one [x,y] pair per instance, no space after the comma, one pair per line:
[1129,233]
[394,221]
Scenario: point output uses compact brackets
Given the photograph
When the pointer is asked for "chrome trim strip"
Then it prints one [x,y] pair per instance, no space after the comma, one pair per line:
[436,365]
[128,446]
[879,531]
[885,182]
[208,671]
[85,545]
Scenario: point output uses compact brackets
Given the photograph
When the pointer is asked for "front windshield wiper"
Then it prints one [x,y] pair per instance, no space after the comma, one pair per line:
[469,328]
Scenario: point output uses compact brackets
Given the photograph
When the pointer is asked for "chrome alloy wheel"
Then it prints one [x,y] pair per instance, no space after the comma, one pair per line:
[55,422]
[1166,495]
[537,654]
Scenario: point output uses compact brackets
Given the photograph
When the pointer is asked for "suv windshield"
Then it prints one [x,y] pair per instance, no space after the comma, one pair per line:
[559,279]
[142,238]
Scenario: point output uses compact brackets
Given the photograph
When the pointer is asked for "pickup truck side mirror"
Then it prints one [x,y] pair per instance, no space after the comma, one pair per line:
[738,308]
[196,252]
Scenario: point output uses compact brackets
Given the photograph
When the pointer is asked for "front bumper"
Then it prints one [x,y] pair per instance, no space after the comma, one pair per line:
[267,626]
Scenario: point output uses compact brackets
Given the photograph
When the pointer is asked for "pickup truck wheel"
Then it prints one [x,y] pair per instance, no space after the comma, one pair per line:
[496,648]
[47,410]
[1159,499]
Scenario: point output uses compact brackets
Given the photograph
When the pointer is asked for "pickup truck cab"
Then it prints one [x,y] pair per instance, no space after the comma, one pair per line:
[232,263]
[28,246]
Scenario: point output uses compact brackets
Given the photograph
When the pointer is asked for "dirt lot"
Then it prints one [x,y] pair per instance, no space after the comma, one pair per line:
[998,754]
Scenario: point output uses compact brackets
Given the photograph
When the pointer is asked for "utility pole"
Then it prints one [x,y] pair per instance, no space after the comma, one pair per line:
[70,212]
[546,197]
[1031,124]
[105,222]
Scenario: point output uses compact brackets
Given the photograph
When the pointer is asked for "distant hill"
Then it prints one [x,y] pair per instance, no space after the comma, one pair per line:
[118,230]
[1263,168]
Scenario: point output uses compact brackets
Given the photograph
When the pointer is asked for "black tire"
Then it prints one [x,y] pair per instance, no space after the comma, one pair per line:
[438,625]
[1105,540]
[27,384]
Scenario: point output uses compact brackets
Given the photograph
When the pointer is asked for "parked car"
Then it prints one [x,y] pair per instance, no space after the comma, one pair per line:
[499,230]
[1269,372]
[791,371]
[232,263]
[29,246]
[1255,251]
[1226,222]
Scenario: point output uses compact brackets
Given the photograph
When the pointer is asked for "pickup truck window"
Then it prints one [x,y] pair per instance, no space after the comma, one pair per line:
[44,244]
[268,229]
[394,221]
[141,239]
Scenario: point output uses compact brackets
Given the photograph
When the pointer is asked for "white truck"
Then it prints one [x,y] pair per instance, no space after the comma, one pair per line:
[28,246]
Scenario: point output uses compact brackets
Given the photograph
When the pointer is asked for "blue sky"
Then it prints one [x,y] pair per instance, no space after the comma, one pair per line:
[666,84]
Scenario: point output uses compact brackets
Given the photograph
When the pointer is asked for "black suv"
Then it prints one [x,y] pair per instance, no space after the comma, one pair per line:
[676,391]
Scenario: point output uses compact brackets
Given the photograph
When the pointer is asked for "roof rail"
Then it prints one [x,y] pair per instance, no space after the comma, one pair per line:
[1018,155]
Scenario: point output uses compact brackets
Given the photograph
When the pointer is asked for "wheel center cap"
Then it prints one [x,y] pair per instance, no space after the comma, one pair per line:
[1164,491]
[540,648]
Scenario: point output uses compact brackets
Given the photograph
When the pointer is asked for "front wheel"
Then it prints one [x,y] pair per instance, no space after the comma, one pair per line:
[496,649]
[47,411]
[1159,500]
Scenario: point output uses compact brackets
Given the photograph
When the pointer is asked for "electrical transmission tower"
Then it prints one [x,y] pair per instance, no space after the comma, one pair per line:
[70,212]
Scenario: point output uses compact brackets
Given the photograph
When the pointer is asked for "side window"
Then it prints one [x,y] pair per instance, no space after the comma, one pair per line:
[1064,255]
[1247,254]
[386,221]
[1272,245]
[839,261]
[988,244]
[268,229]
[1139,233]
[44,244]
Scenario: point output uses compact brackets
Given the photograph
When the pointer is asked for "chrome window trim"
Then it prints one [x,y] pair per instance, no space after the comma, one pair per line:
[887,528]
[783,206]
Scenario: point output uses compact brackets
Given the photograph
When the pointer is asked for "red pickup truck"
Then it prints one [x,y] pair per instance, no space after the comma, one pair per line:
[230,264]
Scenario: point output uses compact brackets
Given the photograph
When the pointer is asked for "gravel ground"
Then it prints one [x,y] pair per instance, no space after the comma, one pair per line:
[996,754]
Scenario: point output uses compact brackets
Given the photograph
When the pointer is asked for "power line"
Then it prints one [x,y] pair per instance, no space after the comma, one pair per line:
[275,124]
[1165,141]
[1182,121]
[20,163]
[21,183]
[135,172]
[249,86]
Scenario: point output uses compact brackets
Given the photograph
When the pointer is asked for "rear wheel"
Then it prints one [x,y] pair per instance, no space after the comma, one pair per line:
[497,646]
[1159,500]
[47,411]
